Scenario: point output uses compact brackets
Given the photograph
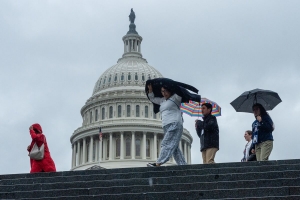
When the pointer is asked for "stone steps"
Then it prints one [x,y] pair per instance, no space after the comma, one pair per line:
[252,180]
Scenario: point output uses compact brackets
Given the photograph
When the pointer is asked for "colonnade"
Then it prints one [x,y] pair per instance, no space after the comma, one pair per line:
[121,146]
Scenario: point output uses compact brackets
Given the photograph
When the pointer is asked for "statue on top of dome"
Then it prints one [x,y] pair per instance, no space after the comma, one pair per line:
[132,16]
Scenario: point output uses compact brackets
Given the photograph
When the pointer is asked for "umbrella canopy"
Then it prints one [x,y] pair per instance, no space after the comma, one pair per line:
[193,108]
[267,98]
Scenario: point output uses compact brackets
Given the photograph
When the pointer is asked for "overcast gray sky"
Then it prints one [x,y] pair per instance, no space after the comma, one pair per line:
[53,52]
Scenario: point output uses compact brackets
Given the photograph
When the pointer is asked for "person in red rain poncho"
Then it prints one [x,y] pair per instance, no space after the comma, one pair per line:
[46,164]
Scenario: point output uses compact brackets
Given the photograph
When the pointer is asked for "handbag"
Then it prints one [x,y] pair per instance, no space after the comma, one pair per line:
[37,153]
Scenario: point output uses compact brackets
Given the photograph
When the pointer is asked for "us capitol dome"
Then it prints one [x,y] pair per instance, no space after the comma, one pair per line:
[131,132]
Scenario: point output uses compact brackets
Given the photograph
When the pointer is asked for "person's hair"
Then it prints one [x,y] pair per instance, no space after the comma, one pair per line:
[261,108]
[249,132]
[36,131]
[169,89]
[208,106]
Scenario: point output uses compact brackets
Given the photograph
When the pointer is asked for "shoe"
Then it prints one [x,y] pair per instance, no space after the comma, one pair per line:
[151,165]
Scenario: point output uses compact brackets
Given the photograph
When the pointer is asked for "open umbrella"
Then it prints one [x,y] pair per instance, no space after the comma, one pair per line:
[267,98]
[193,108]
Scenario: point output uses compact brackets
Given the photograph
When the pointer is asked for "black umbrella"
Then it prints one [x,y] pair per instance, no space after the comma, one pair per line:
[267,98]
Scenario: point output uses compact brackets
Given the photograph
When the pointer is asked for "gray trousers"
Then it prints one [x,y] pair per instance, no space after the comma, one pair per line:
[170,143]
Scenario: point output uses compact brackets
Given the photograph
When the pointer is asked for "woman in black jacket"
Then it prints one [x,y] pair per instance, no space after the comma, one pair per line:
[208,132]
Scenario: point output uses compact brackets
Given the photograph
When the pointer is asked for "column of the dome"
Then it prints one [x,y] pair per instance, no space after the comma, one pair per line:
[155,146]
[124,46]
[96,151]
[110,146]
[133,145]
[91,147]
[140,46]
[185,150]
[144,146]
[135,44]
[84,151]
[74,155]
[78,153]
[104,149]
[122,146]
[100,150]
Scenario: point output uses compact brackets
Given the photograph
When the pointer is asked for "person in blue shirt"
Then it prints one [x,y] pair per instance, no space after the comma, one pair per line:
[262,129]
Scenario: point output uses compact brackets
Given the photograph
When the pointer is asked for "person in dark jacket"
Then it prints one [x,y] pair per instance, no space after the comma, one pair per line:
[262,129]
[208,132]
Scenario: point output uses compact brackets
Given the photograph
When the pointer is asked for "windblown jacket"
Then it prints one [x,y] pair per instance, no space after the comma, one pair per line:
[181,89]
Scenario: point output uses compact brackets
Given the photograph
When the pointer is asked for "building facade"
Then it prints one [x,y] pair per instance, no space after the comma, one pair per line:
[131,132]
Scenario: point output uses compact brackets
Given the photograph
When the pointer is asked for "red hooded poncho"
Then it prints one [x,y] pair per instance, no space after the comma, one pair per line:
[46,164]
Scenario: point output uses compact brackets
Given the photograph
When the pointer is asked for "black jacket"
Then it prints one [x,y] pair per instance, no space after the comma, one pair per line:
[181,89]
[210,136]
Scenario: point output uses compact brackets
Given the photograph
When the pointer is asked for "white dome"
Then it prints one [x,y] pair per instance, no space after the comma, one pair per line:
[131,131]
[129,71]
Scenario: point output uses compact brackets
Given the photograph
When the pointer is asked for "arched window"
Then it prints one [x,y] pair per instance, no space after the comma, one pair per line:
[136,77]
[109,79]
[119,110]
[118,147]
[91,115]
[96,115]
[104,80]
[137,110]
[137,147]
[146,111]
[129,77]
[122,77]
[116,77]
[107,149]
[143,77]
[128,147]
[110,112]
[154,115]
[148,148]
[103,113]
[128,110]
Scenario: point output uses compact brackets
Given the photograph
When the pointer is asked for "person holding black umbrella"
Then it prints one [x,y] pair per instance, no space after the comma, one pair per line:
[262,129]
[172,125]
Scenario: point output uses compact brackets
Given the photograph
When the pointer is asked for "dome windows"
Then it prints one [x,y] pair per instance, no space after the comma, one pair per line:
[109,79]
[143,77]
[122,77]
[128,110]
[136,77]
[129,76]
[103,113]
[149,77]
[119,110]
[137,111]
[146,111]
[116,77]
[110,112]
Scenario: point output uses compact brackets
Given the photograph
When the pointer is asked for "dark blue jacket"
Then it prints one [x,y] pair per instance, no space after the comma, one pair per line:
[265,129]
